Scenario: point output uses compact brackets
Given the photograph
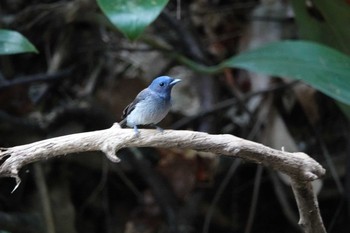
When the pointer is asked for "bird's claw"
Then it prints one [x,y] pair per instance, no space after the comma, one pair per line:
[136,131]
[159,129]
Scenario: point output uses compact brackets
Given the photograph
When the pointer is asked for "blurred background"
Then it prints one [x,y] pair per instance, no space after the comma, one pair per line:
[87,71]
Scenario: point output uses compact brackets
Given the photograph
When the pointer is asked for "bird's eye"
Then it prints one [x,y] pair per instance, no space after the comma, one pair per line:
[161,84]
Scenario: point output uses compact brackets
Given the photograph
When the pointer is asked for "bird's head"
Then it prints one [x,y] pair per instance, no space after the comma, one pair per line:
[163,85]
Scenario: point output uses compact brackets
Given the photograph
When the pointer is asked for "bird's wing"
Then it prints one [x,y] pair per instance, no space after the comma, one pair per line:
[141,96]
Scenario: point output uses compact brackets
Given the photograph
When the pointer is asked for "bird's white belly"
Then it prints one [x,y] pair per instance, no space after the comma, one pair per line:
[147,112]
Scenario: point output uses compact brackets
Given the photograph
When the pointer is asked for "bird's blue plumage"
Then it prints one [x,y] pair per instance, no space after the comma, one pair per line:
[151,105]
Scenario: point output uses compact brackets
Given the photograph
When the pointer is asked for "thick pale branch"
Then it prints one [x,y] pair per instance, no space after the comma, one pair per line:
[299,166]
[310,217]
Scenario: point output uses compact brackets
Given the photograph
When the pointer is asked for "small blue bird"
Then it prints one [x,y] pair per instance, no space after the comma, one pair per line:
[151,105]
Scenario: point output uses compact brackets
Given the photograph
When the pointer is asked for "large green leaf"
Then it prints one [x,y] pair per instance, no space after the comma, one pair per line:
[12,42]
[322,67]
[337,15]
[131,17]
[332,30]
[310,28]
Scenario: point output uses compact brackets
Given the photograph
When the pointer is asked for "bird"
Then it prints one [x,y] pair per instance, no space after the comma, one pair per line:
[151,105]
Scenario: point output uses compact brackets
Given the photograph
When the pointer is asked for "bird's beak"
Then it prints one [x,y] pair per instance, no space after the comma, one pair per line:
[175,81]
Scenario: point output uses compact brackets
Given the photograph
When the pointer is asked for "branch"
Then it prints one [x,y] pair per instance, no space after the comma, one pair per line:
[296,165]
[26,80]
[310,218]
[299,166]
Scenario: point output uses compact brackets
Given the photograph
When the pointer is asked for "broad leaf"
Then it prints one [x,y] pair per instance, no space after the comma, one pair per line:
[310,28]
[323,68]
[12,42]
[332,30]
[337,15]
[131,17]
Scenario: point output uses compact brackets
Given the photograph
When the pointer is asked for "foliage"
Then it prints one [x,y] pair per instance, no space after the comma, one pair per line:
[133,16]
[320,66]
[330,30]
[12,42]
[323,68]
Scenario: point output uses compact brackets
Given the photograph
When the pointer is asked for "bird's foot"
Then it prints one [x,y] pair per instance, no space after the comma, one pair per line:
[136,131]
[159,129]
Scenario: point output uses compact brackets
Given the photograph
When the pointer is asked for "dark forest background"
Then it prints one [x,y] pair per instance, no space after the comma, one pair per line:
[87,71]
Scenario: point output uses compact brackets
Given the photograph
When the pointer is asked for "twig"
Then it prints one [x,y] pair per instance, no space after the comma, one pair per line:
[329,160]
[44,198]
[283,200]
[336,215]
[310,218]
[230,102]
[27,80]
[229,175]
[189,43]
[99,187]
[299,166]
[233,168]
[254,202]
[160,189]
[192,47]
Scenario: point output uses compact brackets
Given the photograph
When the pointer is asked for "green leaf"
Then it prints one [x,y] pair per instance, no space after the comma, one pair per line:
[131,17]
[310,28]
[337,15]
[344,108]
[12,42]
[333,30]
[322,67]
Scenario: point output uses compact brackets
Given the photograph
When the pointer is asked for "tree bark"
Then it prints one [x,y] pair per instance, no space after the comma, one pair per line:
[301,168]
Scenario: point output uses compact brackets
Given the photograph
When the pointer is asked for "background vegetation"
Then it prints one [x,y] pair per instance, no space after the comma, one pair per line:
[91,58]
